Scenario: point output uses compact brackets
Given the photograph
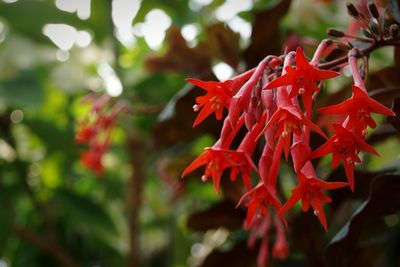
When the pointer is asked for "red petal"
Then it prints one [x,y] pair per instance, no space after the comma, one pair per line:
[203,114]
[362,145]
[341,108]
[335,160]
[320,75]
[331,185]
[319,211]
[323,150]
[374,105]
[217,181]
[271,121]
[206,85]
[349,169]
[284,80]
[305,203]
[313,126]
[286,145]
[294,198]
[307,101]
[199,161]
[301,61]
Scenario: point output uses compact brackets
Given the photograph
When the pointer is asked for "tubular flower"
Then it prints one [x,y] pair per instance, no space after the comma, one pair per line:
[218,97]
[217,160]
[242,163]
[303,79]
[344,145]
[290,120]
[261,197]
[95,132]
[85,134]
[309,192]
[359,108]
[280,250]
[92,161]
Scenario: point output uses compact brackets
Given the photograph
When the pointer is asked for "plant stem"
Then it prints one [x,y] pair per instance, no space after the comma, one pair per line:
[364,52]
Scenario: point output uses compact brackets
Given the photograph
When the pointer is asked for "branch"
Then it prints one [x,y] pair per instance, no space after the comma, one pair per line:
[137,154]
[364,52]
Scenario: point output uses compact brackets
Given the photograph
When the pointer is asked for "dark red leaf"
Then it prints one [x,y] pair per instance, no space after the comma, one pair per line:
[266,36]
[239,256]
[384,199]
[224,43]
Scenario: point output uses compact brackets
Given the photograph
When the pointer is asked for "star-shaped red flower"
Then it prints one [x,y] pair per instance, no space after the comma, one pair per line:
[92,161]
[309,192]
[85,134]
[303,79]
[290,120]
[359,108]
[344,145]
[218,96]
[261,197]
[218,160]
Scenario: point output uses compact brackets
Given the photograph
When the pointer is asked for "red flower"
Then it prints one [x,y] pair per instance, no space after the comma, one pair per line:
[280,250]
[359,108]
[309,192]
[303,79]
[85,134]
[344,145]
[217,98]
[290,119]
[242,163]
[92,161]
[261,197]
[218,160]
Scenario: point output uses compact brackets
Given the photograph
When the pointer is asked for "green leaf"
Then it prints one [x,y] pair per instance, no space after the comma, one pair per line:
[51,135]
[23,91]
[84,211]
[158,88]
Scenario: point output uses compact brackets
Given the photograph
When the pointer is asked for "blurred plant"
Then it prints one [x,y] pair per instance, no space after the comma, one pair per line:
[96,129]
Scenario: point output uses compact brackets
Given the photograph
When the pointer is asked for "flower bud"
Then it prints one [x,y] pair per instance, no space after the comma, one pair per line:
[373,10]
[375,27]
[352,10]
[335,33]
[367,33]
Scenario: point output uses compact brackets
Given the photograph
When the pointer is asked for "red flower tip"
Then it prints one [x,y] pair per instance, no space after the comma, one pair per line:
[92,161]
[85,134]
[290,120]
[218,160]
[309,192]
[344,146]
[216,100]
[303,79]
[261,198]
[359,108]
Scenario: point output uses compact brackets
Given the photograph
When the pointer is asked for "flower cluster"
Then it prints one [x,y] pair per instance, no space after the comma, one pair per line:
[95,131]
[273,104]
